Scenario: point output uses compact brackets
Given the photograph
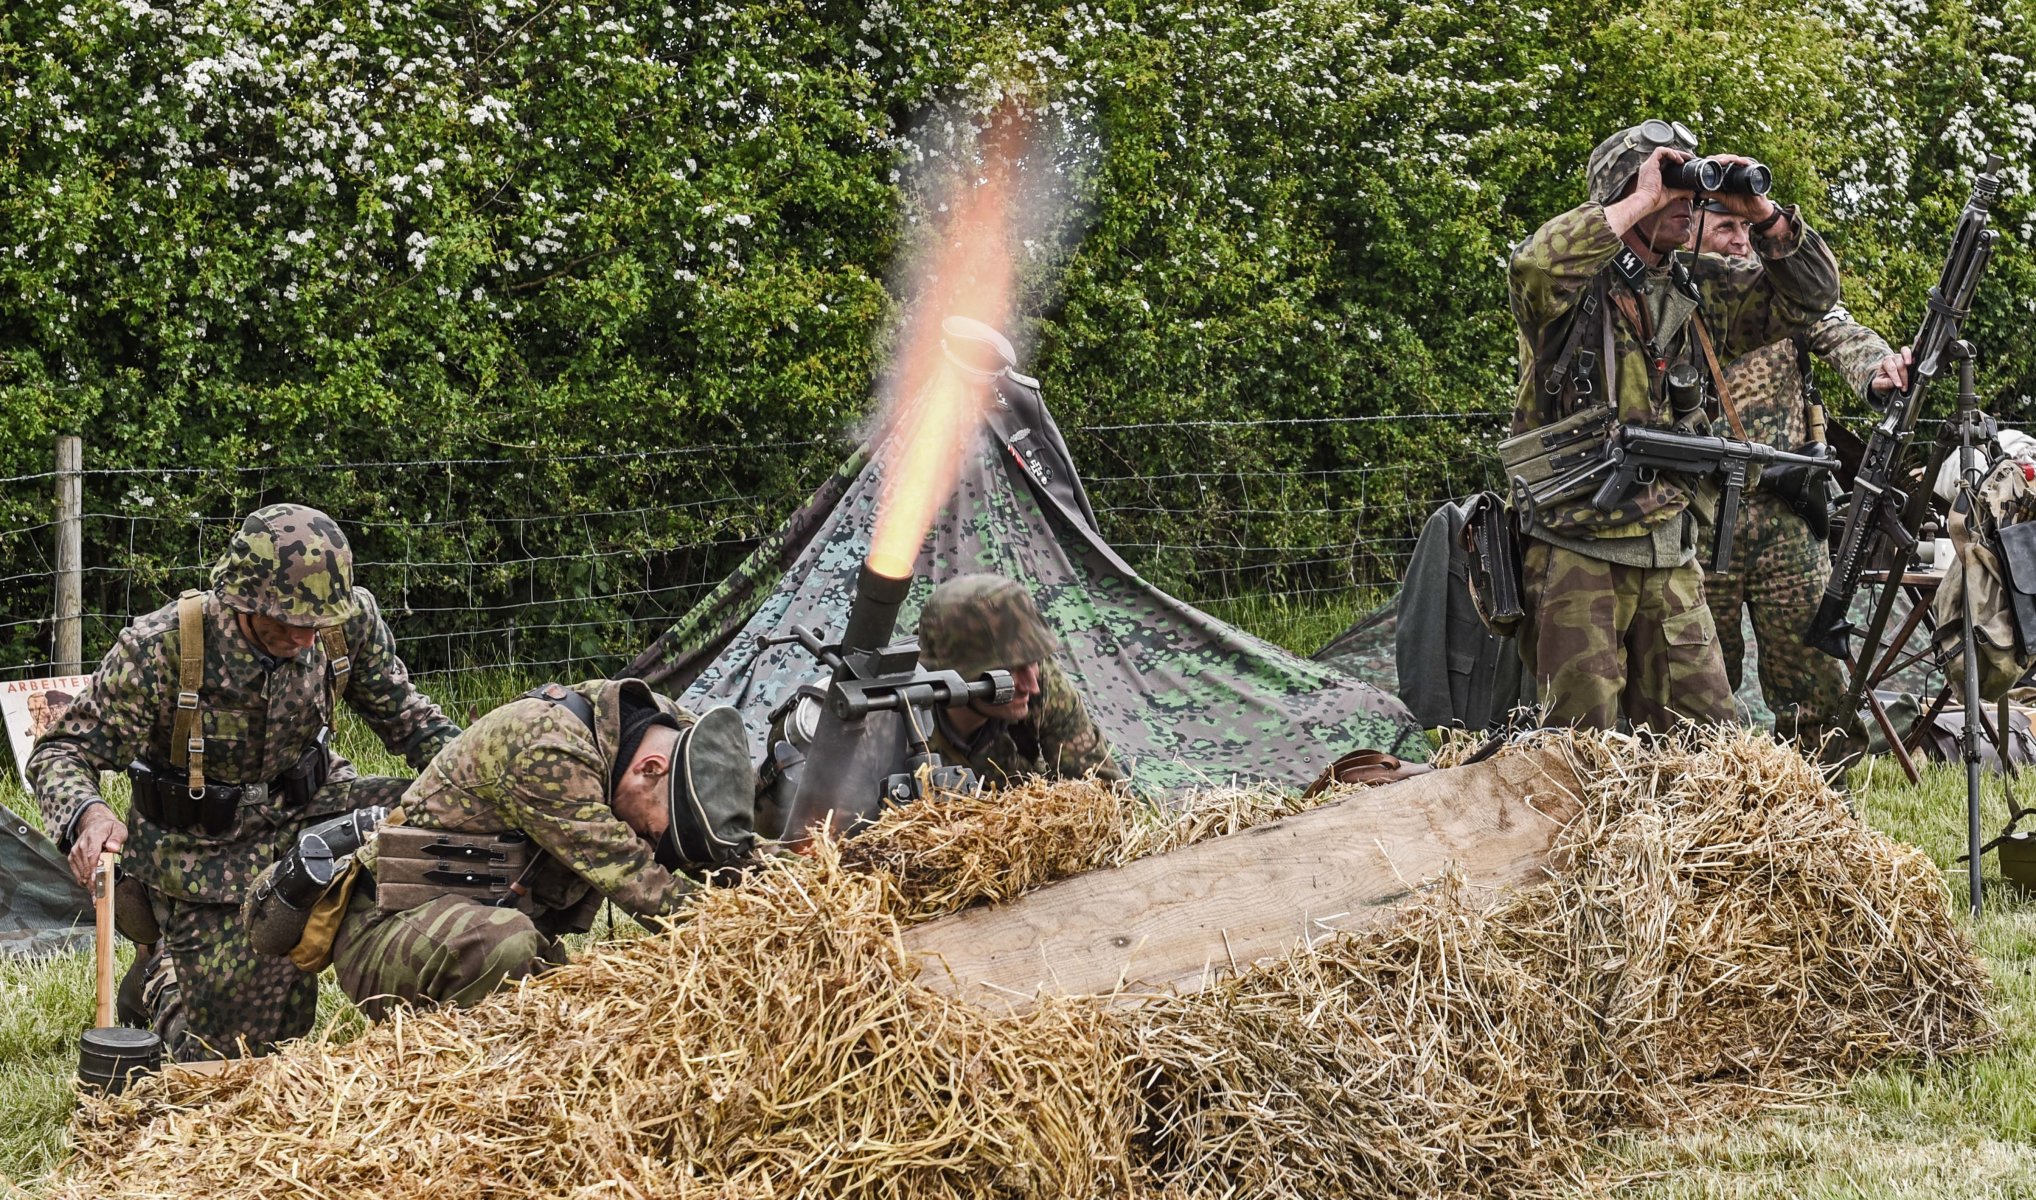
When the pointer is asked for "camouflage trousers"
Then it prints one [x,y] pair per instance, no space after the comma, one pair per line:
[446,951]
[1778,575]
[229,999]
[1606,641]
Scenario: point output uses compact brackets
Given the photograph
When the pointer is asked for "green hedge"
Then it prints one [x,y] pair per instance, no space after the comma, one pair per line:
[241,242]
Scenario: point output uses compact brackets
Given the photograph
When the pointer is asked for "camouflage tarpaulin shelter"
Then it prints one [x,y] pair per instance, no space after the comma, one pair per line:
[42,909]
[1185,699]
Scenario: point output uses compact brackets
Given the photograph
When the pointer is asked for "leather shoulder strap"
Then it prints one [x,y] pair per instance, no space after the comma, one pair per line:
[1717,374]
[187,733]
[337,665]
[558,693]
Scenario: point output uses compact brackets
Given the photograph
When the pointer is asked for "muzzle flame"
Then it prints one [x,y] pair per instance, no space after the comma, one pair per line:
[936,408]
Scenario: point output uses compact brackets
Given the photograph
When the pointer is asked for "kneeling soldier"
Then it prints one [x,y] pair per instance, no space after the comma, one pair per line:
[516,833]
[219,707]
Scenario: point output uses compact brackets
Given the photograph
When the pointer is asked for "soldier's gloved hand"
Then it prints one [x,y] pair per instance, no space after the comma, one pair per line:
[97,829]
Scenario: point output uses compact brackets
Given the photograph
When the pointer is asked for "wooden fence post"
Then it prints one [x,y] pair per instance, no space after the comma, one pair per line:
[70,554]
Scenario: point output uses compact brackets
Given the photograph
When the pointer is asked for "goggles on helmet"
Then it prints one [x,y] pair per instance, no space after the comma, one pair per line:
[1654,133]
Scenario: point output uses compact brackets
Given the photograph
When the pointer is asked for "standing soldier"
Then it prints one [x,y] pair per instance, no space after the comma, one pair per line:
[1780,560]
[1607,319]
[219,707]
[974,624]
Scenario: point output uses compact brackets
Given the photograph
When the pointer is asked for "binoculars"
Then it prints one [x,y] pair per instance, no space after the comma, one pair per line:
[1710,175]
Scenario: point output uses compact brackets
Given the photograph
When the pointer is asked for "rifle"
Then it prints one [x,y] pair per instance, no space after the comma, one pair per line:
[1633,454]
[1878,508]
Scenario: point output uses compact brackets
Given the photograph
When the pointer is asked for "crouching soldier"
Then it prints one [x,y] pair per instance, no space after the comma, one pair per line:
[219,706]
[974,624]
[517,832]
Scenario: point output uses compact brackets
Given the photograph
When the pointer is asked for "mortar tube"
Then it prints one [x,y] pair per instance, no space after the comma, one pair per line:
[848,761]
[873,617]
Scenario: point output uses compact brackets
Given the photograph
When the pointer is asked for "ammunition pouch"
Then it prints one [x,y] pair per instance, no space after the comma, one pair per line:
[1558,462]
[2016,545]
[162,795]
[416,866]
[303,780]
[1491,539]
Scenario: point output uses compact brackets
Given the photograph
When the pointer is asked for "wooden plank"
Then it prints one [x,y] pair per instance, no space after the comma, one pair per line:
[1176,920]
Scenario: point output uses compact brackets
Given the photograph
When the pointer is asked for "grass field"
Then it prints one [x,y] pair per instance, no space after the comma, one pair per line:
[1964,1129]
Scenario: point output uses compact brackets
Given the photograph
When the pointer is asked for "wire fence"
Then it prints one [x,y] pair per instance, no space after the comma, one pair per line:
[572,563]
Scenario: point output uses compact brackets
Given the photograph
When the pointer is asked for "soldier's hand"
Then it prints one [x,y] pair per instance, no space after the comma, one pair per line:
[98,829]
[1891,374]
[1742,204]
[1649,186]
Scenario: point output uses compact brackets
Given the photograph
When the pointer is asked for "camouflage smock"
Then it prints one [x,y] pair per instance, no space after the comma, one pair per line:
[1767,384]
[1056,739]
[533,767]
[1747,304]
[258,721]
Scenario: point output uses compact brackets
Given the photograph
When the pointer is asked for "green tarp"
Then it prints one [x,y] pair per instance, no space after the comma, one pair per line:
[1186,700]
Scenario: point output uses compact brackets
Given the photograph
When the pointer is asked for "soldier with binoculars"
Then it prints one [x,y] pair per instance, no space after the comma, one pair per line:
[1616,624]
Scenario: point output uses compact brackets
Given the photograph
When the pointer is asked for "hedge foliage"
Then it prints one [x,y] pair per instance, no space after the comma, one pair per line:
[528,241]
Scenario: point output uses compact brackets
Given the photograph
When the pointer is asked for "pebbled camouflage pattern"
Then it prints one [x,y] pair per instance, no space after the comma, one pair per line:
[977,623]
[1747,303]
[1056,739]
[1767,384]
[258,716]
[531,767]
[290,563]
[447,951]
[1613,164]
[1185,700]
[1609,641]
[1779,569]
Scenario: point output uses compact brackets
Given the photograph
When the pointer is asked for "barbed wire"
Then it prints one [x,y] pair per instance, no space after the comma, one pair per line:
[474,584]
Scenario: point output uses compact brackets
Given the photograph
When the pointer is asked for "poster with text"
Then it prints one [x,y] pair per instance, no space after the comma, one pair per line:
[33,705]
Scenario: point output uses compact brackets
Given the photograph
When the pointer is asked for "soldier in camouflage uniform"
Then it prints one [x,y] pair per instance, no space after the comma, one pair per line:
[1780,562]
[977,623]
[591,795]
[1617,624]
[269,688]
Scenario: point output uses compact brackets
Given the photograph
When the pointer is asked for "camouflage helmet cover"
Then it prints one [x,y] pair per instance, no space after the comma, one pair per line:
[1618,158]
[290,563]
[977,623]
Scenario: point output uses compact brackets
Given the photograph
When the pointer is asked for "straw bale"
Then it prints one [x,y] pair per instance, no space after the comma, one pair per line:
[765,1047]
[1719,932]
[957,849]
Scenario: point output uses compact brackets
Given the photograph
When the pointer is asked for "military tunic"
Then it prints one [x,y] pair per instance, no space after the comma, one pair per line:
[1617,620]
[259,716]
[534,768]
[1779,568]
[1056,739]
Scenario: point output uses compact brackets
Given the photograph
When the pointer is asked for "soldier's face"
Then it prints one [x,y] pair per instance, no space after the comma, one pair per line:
[1669,226]
[1024,690]
[276,639]
[1727,235]
[640,793]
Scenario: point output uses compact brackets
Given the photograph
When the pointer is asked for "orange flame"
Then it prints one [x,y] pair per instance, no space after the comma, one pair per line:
[936,407]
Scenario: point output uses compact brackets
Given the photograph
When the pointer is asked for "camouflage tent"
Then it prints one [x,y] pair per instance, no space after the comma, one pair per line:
[42,909]
[1185,699]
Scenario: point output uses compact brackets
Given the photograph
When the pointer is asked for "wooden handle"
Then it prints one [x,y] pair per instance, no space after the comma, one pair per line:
[102,950]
